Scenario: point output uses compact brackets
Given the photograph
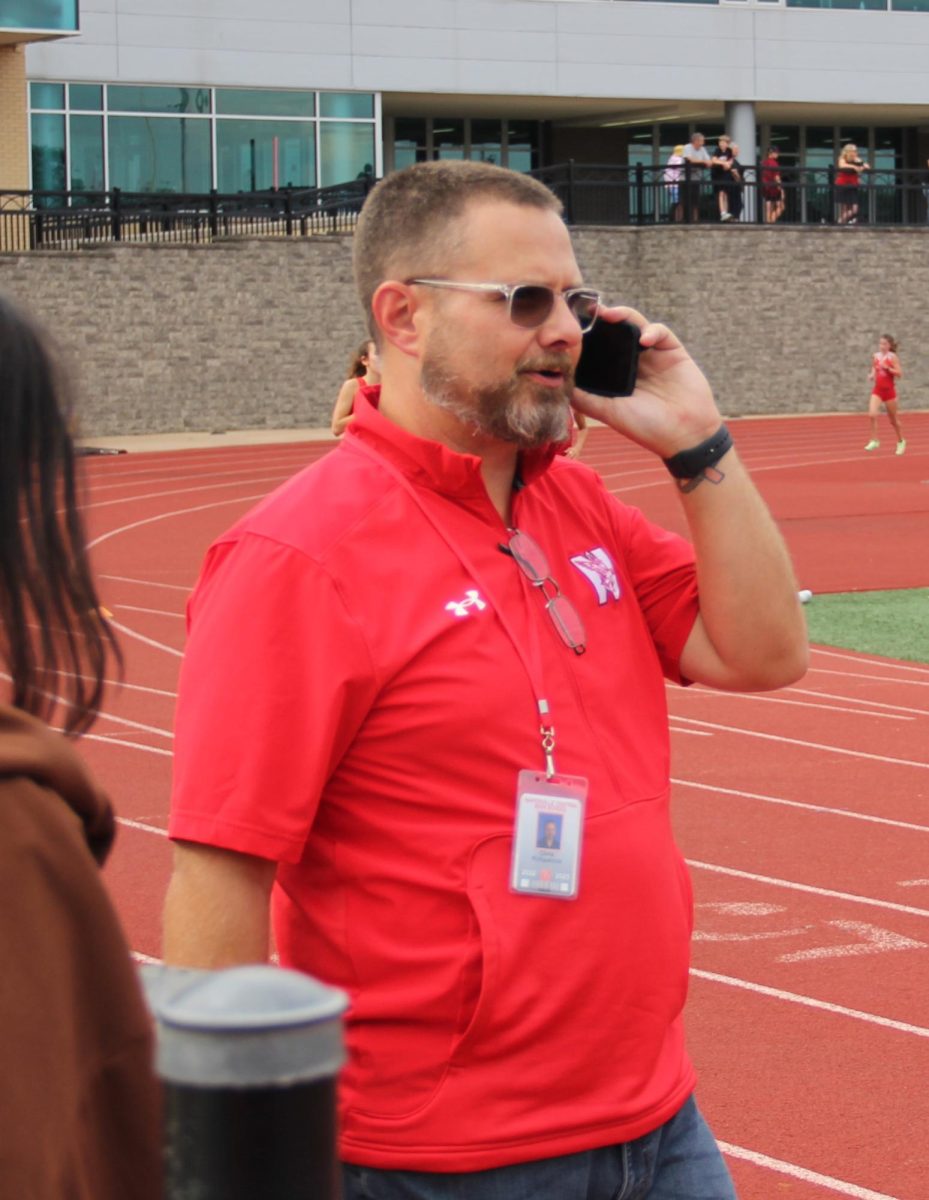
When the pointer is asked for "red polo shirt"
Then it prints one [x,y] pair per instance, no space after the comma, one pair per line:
[353,707]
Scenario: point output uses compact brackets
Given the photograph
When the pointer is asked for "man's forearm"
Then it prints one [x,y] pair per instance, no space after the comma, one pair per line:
[749,612]
[217,908]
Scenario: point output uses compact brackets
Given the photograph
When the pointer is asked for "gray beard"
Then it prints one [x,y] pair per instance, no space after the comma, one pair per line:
[516,411]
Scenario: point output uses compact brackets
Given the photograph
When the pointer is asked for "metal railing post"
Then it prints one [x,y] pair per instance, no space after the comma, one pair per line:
[115,215]
[248,1057]
[640,193]
[570,206]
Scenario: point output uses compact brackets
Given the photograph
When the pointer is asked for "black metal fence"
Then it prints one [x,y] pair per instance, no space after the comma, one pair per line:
[604,194]
[45,220]
[654,195]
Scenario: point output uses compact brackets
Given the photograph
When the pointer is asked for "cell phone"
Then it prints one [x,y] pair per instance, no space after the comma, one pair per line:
[609,359]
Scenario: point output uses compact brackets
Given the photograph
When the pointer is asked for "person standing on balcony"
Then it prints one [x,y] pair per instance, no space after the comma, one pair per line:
[721,175]
[772,188]
[926,189]
[696,162]
[672,181]
[735,184]
[885,371]
[847,183]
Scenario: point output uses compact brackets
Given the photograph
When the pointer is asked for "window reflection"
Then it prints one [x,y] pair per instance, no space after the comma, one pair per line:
[254,155]
[159,154]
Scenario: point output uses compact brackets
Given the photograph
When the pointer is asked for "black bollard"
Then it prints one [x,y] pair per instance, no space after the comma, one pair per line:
[249,1058]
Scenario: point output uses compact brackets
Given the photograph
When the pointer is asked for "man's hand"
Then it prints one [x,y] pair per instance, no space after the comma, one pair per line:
[672,407]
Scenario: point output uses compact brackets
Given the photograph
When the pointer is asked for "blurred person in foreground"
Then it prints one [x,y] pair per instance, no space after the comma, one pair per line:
[78,1099]
[444,629]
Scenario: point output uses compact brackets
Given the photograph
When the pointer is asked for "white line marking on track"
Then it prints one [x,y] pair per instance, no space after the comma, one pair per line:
[869,678]
[786,699]
[776,737]
[876,941]
[863,661]
[820,808]
[140,637]
[206,487]
[838,1010]
[140,825]
[178,512]
[913,883]
[145,958]
[785,1168]
[177,587]
[807,887]
[693,732]
[897,708]
[109,741]
[161,612]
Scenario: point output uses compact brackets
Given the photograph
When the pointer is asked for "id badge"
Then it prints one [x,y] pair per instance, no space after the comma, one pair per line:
[547,835]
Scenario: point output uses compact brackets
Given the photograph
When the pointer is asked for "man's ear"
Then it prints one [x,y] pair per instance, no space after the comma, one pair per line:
[396,310]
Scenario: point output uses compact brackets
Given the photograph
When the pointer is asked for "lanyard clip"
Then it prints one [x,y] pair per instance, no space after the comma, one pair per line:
[548,740]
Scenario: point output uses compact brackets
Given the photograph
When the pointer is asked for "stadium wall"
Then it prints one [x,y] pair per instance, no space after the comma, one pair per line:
[257,333]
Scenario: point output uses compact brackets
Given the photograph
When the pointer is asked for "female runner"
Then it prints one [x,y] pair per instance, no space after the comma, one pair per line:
[885,371]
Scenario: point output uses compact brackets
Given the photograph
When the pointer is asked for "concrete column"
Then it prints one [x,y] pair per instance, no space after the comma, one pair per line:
[14,127]
[740,125]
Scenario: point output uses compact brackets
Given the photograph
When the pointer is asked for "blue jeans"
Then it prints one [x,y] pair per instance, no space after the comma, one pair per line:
[678,1161]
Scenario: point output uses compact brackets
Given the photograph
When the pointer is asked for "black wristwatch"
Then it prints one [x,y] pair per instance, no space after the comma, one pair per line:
[688,464]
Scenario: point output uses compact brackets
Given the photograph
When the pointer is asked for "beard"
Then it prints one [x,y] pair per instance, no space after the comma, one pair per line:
[515,409]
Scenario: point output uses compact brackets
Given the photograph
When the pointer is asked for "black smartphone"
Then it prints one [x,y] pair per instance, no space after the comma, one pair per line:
[609,359]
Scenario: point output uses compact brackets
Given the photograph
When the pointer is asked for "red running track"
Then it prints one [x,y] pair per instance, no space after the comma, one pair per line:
[804,814]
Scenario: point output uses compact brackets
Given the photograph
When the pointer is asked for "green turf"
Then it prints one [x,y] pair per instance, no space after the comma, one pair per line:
[892,624]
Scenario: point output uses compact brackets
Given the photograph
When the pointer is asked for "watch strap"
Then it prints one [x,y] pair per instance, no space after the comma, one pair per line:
[688,464]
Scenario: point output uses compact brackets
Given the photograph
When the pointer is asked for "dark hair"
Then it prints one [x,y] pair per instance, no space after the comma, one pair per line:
[53,636]
[356,367]
[407,224]
[891,340]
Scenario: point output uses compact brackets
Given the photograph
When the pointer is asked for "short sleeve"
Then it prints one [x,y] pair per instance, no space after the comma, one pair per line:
[275,683]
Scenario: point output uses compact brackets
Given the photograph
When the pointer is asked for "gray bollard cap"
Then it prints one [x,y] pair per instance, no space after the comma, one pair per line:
[245,1027]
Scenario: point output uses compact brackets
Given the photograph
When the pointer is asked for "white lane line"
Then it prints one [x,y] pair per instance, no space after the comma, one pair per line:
[110,741]
[140,637]
[177,512]
[863,662]
[820,808]
[839,1010]
[206,487]
[869,678]
[177,587]
[145,958]
[895,708]
[693,732]
[783,698]
[108,716]
[775,737]
[806,887]
[140,825]
[120,685]
[785,1168]
[160,612]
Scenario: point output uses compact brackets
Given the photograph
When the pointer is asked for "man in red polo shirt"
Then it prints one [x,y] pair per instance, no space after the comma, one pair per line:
[428,647]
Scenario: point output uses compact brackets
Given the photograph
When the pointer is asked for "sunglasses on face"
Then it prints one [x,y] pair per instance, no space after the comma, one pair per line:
[529,305]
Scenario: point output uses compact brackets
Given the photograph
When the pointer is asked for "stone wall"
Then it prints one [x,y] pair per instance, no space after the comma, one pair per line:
[257,333]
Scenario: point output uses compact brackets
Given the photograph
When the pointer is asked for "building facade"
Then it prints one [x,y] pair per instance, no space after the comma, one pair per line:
[164,96]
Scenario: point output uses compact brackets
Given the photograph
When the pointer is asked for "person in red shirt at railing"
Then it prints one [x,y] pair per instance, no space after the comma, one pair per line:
[772,189]
[847,181]
[431,640]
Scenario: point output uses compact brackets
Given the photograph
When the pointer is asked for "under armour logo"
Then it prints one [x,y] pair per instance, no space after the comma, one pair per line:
[597,568]
[461,608]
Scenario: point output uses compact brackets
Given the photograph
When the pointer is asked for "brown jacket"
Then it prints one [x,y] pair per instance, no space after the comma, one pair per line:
[78,1101]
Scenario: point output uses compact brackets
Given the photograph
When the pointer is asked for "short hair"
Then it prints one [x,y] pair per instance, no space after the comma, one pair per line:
[53,637]
[407,225]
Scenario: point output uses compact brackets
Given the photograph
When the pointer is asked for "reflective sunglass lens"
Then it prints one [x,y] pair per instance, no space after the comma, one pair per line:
[584,307]
[530,305]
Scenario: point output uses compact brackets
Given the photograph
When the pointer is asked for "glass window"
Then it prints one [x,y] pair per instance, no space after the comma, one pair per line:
[486,143]
[48,152]
[522,138]
[87,154]
[448,139]
[640,147]
[669,136]
[156,154]
[256,102]
[859,136]
[910,5]
[39,14]
[837,4]
[158,99]
[249,154]
[346,152]
[86,96]
[47,95]
[346,104]
[409,141]
[821,148]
